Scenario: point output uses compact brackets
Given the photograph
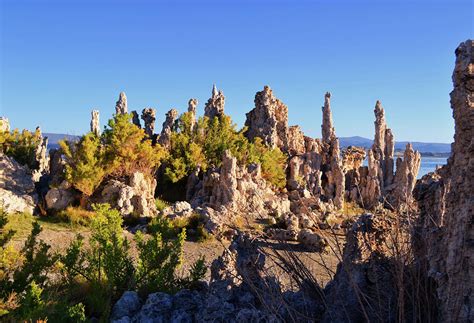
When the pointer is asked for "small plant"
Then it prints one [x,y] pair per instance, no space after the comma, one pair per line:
[76,216]
[161,204]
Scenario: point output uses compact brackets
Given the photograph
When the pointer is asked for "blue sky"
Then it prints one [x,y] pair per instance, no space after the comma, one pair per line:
[60,59]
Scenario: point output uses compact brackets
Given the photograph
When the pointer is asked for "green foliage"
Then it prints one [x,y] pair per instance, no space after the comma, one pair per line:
[76,216]
[161,204]
[32,305]
[127,149]
[106,265]
[120,151]
[85,163]
[170,229]
[21,146]
[203,146]
[158,261]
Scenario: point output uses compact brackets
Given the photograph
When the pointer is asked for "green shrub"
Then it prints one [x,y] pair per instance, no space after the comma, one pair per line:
[76,216]
[21,146]
[161,204]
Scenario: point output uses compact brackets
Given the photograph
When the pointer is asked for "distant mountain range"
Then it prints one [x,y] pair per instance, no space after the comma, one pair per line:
[423,147]
[54,138]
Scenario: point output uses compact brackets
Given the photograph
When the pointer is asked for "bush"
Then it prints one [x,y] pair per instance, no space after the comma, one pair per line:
[21,146]
[204,145]
[170,229]
[76,216]
[85,163]
[119,152]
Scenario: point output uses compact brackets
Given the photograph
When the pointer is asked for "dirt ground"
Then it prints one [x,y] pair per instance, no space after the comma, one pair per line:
[322,265]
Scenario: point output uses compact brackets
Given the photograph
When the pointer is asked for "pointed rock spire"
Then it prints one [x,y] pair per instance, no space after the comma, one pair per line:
[215,105]
[95,124]
[121,105]
[327,128]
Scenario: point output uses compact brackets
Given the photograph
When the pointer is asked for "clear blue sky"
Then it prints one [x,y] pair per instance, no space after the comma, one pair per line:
[60,59]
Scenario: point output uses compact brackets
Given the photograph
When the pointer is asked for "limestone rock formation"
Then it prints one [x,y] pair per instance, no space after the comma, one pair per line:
[168,127]
[268,120]
[192,104]
[4,124]
[17,188]
[60,197]
[181,209]
[235,190]
[446,204]
[352,160]
[149,117]
[136,119]
[363,273]
[327,129]
[405,177]
[121,105]
[95,125]
[136,196]
[215,105]
[41,166]
[296,141]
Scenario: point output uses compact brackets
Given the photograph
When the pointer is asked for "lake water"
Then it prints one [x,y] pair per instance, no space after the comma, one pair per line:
[428,164]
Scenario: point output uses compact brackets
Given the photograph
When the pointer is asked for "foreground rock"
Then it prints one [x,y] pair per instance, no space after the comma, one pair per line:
[446,204]
[17,188]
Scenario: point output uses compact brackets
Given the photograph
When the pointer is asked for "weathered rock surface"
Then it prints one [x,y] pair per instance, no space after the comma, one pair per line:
[95,125]
[215,105]
[268,120]
[121,105]
[136,119]
[234,190]
[405,177]
[327,128]
[135,197]
[363,286]
[41,158]
[181,209]
[17,188]
[149,117]
[235,294]
[168,127]
[447,205]
[59,198]
[192,104]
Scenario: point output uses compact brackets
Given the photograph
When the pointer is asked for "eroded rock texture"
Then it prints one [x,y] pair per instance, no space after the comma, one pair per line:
[447,204]
[149,117]
[41,166]
[363,287]
[136,119]
[121,105]
[215,105]
[95,125]
[134,197]
[268,120]
[327,129]
[234,190]
[17,188]
[192,104]
[168,127]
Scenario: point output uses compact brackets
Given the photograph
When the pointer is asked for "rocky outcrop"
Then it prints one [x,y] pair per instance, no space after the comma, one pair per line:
[235,190]
[95,125]
[296,141]
[17,188]
[352,160]
[405,177]
[446,203]
[149,117]
[181,209]
[268,120]
[41,166]
[192,104]
[121,105]
[134,197]
[4,124]
[215,105]
[363,286]
[60,197]
[327,129]
[168,127]
[136,119]
[239,291]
